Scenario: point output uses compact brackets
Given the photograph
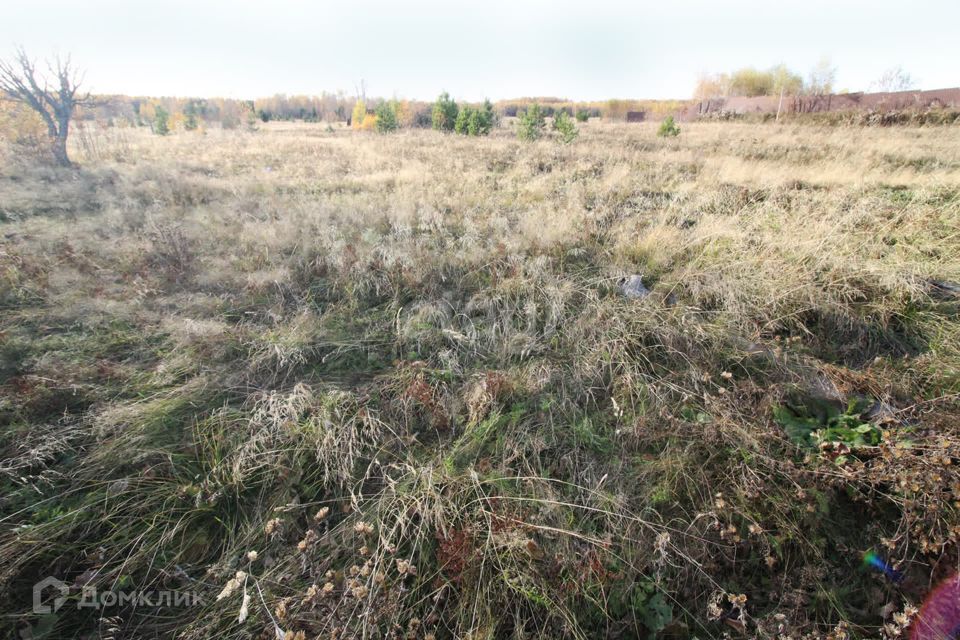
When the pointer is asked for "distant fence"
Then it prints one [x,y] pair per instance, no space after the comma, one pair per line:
[887,101]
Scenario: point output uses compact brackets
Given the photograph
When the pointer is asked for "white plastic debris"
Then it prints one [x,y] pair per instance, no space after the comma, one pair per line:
[632,287]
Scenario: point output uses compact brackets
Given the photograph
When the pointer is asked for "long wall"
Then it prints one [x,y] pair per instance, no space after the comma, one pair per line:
[888,101]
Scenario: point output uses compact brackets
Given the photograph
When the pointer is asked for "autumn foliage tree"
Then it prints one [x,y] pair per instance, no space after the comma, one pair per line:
[359,113]
[749,82]
[53,95]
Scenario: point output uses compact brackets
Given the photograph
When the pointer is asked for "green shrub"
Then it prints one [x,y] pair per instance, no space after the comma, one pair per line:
[444,113]
[387,117]
[161,122]
[252,120]
[668,128]
[531,123]
[461,126]
[564,125]
[190,122]
[582,115]
[486,118]
[475,122]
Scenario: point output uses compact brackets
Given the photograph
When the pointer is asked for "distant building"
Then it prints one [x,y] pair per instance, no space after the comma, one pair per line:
[636,116]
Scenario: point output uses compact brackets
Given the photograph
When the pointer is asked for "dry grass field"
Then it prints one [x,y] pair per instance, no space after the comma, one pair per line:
[349,385]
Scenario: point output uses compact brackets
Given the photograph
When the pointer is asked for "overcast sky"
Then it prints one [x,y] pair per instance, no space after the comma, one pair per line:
[587,49]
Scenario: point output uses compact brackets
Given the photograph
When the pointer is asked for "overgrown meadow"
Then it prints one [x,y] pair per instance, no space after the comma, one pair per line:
[346,385]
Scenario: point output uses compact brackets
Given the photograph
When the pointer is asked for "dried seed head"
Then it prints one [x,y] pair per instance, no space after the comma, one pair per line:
[363,528]
[312,592]
[359,592]
[232,585]
[272,526]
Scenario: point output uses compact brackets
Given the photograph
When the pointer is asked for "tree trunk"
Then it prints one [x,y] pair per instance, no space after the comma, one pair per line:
[60,145]
[60,151]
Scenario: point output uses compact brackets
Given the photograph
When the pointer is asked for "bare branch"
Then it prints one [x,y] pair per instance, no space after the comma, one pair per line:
[52,95]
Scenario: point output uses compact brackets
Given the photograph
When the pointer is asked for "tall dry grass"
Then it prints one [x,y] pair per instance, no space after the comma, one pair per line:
[399,370]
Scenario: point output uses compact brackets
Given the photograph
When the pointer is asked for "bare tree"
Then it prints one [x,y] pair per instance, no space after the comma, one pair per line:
[53,95]
[895,79]
[821,78]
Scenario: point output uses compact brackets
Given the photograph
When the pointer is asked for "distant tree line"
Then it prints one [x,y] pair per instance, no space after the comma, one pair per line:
[613,109]
[180,113]
[327,107]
